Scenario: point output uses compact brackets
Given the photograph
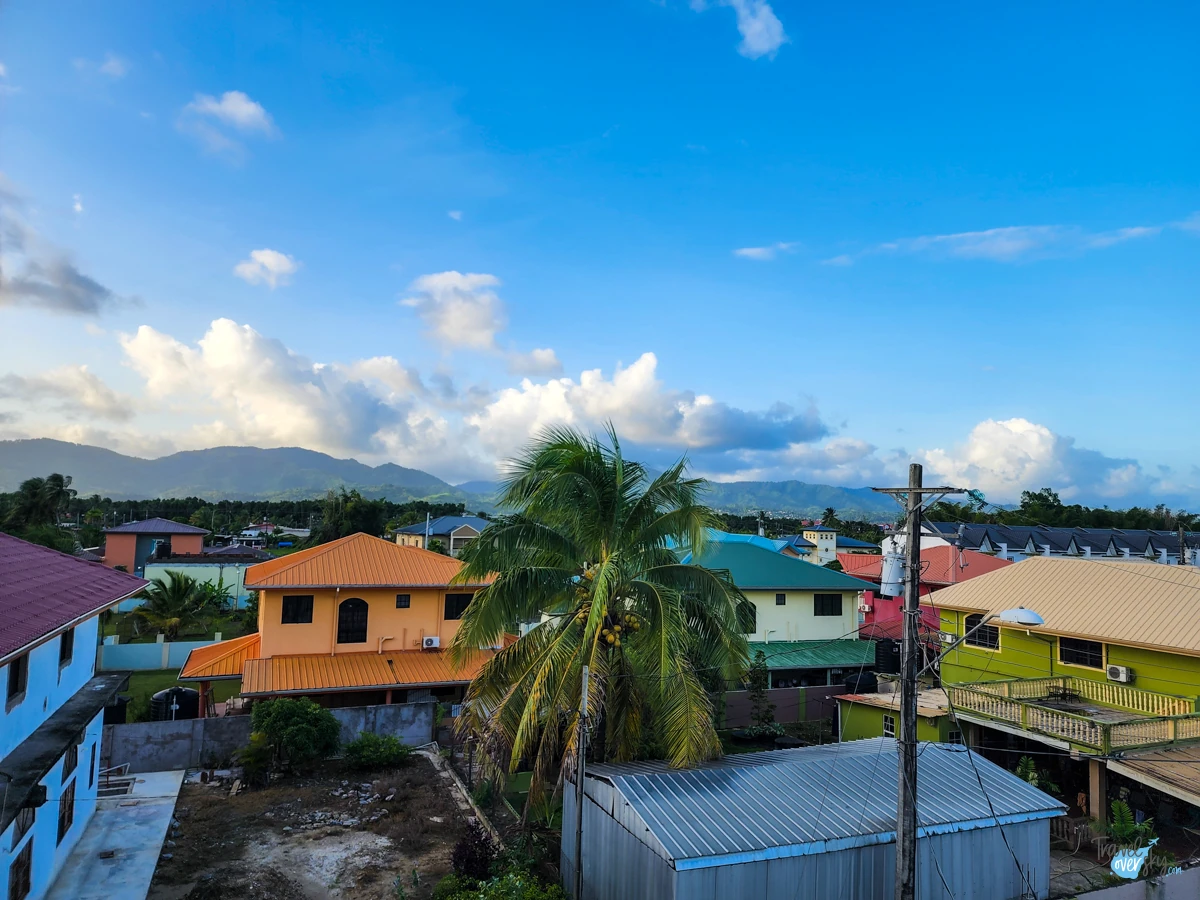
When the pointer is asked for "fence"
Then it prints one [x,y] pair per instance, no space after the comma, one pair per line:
[114,657]
[189,743]
[798,704]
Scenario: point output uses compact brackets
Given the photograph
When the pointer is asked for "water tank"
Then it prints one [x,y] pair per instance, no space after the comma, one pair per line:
[892,575]
[887,656]
[175,703]
[862,683]
[115,712]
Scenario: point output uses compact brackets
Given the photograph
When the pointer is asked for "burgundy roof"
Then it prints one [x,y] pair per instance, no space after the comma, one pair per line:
[42,590]
[155,526]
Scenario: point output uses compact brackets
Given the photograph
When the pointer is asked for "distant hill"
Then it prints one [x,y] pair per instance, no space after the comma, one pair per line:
[292,473]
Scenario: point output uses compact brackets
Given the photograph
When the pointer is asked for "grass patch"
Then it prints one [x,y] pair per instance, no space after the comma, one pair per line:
[143,685]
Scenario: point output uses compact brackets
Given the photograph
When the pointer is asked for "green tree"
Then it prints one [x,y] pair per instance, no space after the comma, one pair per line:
[829,518]
[437,546]
[172,603]
[348,512]
[297,731]
[758,676]
[586,540]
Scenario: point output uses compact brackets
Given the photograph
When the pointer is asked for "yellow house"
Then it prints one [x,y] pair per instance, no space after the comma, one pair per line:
[354,622]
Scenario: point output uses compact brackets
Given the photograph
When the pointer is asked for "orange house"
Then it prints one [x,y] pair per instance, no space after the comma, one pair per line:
[355,622]
[131,545]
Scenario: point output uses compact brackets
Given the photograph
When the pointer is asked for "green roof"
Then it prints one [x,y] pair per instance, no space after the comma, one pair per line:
[842,653]
[755,568]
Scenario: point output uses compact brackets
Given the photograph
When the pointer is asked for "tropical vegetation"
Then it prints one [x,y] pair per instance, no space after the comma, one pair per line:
[176,602]
[584,551]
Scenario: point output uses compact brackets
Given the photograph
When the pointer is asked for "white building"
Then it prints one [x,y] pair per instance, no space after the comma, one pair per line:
[51,722]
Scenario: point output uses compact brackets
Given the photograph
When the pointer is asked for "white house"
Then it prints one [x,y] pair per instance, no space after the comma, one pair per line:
[52,718]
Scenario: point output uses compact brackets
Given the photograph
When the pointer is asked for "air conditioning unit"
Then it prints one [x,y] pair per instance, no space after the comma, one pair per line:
[1123,674]
[946,637]
[430,643]
[864,607]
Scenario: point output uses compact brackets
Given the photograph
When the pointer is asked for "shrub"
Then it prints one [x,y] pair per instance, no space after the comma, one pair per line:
[297,731]
[370,752]
[511,885]
[474,853]
[452,887]
[255,760]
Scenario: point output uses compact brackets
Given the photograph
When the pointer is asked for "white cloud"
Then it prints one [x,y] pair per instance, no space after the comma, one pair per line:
[843,259]
[762,32]
[542,361]
[455,214]
[71,390]
[460,310]
[768,252]
[113,66]
[235,109]
[77,204]
[3,71]
[269,267]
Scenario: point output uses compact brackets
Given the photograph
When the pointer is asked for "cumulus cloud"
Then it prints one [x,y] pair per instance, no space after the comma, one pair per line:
[768,252]
[542,361]
[644,410]
[34,272]
[269,267]
[762,32]
[77,204]
[1002,458]
[113,66]
[213,121]
[70,390]
[459,310]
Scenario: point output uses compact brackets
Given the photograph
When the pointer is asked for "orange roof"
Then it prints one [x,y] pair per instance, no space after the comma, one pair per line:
[319,673]
[220,661]
[355,561]
[939,565]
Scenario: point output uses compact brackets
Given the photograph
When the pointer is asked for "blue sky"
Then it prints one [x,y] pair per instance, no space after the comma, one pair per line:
[848,237]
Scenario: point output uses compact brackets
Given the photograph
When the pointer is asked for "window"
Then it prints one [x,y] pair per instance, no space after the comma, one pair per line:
[403,601]
[827,604]
[70,761]
[456,605]
[66,810]
[21,824]
[987,636]
[352,621]
[66,647]
[92,767]
[297,610]
[1081,653]
[20,875]
[954,737]
[781,599]
[889,726]
[18,679]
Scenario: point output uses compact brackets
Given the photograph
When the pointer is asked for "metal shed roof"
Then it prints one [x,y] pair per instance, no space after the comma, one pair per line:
[813,800]
[844,652]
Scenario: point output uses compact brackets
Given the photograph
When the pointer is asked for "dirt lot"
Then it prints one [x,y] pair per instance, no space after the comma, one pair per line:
[329,835]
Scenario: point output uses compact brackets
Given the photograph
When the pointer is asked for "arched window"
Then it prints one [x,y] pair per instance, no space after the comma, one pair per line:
[352,621]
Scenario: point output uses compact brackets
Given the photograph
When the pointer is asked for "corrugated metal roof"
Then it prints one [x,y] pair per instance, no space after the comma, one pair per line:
[355,561]
[1173,770]
[42,590]
[155,526]
[756,568]
[816,798]
[847,652]
[1131,603]
[223,660]
[445,525]
[355,671]
[843,541]
[939,565]
[930,703]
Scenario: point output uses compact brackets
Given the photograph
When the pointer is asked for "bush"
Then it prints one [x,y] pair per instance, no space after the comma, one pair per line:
[453,886]
[255,760]
[297,731]
[370,752]
[474,853]
[511,885]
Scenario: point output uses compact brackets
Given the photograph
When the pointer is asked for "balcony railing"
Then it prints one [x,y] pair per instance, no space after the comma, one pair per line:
[1035,704]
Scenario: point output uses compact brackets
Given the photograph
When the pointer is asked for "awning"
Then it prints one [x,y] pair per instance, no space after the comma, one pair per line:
[223,661]
[1172,770]
[322,673]
[836,654]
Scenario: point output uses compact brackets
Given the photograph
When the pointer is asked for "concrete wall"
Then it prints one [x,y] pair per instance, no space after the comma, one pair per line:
[116,657]
[791,705]
[189,743]
[232,575]
[49,685]
[796,620]
[1181,886]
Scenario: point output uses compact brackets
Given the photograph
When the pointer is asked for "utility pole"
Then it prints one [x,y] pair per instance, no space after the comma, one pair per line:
[906,740]
[580,754]
[1183,553]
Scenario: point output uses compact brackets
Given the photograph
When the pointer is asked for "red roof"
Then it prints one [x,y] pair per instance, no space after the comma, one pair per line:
[41,590]
[939,565]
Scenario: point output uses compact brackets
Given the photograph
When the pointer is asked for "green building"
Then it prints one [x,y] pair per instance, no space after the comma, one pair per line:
[878,715]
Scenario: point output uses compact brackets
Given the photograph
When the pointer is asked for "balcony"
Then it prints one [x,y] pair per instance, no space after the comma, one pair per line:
[1098,716]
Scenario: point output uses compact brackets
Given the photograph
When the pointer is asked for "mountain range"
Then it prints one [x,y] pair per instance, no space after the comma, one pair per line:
[292,473]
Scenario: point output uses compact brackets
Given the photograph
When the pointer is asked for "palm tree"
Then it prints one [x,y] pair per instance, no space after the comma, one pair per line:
[586,550]
[172,603]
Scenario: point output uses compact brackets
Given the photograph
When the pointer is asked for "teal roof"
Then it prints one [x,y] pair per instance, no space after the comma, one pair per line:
[730,537]
[843,654]
[755,568]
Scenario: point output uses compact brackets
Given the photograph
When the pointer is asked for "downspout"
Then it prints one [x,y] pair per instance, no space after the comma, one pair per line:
[334,618]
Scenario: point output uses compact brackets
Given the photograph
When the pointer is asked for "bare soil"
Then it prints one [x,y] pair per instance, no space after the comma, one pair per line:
[328,835]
